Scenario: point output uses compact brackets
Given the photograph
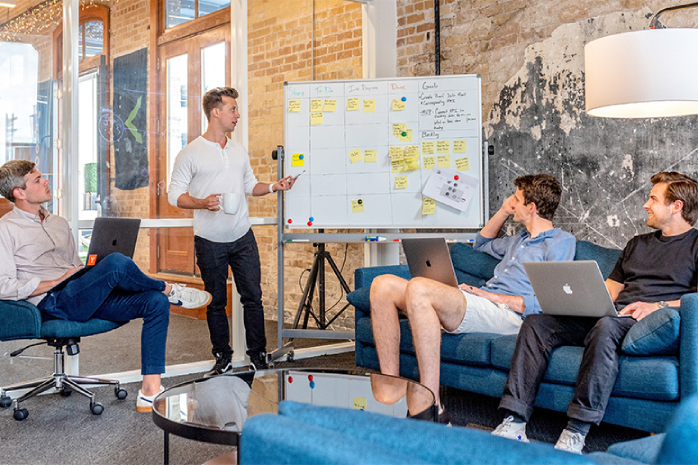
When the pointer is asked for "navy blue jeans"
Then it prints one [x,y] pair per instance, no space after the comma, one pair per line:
[242,256]
[117,290]
[539,335]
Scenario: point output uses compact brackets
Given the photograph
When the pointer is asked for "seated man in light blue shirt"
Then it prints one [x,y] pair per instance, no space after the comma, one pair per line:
[498,307]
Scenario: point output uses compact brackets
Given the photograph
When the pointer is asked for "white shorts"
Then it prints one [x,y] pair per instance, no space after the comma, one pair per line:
[485,316]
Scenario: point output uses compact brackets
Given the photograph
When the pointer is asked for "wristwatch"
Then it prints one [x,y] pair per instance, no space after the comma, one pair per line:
[662,304]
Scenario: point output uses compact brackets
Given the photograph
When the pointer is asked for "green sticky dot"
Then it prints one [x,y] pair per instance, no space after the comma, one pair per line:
[404,134]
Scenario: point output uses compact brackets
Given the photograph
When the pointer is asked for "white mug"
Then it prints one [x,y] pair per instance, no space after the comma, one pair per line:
[230,202]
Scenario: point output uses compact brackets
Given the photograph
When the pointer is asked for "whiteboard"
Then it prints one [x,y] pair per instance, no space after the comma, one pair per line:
[366,149]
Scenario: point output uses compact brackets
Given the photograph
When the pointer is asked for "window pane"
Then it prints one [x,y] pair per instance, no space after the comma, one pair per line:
[212,72]
[176,109]
[178,12]
[94,38]
[87,147]
[81,34]
[209,6]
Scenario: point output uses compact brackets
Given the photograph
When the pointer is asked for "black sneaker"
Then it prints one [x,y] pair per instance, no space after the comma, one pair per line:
[223,364]
[258,361]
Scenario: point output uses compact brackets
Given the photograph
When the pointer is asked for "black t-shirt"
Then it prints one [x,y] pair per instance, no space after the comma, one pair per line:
[654,267]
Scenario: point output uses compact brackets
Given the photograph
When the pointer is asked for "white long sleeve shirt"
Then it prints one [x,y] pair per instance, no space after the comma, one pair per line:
[203,168]
[32,251]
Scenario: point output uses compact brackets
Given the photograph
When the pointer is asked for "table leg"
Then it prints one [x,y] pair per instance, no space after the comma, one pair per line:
[167,449]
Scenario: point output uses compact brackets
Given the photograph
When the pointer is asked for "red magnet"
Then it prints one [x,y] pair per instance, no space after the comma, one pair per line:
[290,221]
[455,177]
[290,379]
[310,377]
[310,223]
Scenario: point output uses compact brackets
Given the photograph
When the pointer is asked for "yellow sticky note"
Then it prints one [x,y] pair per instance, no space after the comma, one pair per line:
[398,105]
[298,159]
[370,156]
[315,119]
[355,155]
[357,206]
[462,164]
[412,164]
[443,146]
[406,135]
[369,106]
[397,166]
[428,147]
[353,104]
[330,104]
[396,153]
[400,182]
[411,151]
[428,206]
[429,163]
[444,161]
[359,403]
[458,146]
[294,106]
[316,104]
[398,129]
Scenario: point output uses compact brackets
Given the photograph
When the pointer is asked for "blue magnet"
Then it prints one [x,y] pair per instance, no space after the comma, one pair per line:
[404,99]
[312,385]
[312,218]
[300,157]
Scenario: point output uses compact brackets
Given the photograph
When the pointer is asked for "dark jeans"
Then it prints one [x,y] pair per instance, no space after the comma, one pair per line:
[117,290]
[242,256]
[539,335]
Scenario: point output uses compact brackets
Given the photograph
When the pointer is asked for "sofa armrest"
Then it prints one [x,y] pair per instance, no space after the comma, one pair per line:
[20,320]
[373,437]
[364,276]
[688,346]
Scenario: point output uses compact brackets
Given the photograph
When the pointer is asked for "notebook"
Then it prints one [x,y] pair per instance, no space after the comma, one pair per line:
[430,258]
[571,288]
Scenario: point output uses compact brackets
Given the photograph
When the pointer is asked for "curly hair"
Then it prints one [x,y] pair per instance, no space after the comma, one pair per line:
[680,187]
[12,176]
[214,98]
[541,189]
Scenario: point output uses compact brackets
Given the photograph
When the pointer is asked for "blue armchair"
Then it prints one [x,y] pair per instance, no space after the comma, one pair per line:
[22,320]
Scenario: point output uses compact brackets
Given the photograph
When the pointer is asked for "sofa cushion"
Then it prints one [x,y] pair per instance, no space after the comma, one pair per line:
[606,258]
[656,334]
[472,267]
[634,380]
[680,445]
[643,450]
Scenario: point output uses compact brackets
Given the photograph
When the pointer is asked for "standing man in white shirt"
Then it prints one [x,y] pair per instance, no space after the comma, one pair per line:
[209,167]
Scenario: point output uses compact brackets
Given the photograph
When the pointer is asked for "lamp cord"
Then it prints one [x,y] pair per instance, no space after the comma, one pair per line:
[654,24]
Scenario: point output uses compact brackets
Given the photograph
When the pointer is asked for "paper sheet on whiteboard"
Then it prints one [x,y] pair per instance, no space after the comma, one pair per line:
[451,187]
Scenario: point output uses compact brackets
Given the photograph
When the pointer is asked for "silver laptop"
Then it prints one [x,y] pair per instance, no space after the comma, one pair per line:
[430,258]
[572,288]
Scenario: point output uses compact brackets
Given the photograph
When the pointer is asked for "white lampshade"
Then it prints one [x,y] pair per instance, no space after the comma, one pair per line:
[643,74]
[8,3]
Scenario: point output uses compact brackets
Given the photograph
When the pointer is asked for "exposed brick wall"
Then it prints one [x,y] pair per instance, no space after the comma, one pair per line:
[280,48]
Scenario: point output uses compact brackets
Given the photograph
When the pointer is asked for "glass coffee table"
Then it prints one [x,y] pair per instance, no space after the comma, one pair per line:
[214,410]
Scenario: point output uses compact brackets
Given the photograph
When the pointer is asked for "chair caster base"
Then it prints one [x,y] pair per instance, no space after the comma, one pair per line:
[20,414]
[96,408]
[120,393]
[5,401]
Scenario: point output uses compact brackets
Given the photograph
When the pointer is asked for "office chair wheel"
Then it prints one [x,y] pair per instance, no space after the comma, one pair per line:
[5,401]
[21,414]
[96,408]
[120,393]
[66,391]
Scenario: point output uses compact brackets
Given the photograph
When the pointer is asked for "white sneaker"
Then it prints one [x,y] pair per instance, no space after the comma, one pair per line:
[510,430]
[145,403]
[571,442]
[188,297]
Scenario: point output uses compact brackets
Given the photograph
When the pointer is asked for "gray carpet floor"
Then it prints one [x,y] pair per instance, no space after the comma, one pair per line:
[63,431]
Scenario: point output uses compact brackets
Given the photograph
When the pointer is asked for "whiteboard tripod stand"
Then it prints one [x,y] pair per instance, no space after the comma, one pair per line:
[317,277]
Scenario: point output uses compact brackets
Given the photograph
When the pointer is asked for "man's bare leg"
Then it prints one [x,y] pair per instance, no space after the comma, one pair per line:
[387,298]
[430,306]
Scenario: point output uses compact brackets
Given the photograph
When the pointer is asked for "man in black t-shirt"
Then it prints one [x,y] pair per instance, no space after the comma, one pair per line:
[653,271]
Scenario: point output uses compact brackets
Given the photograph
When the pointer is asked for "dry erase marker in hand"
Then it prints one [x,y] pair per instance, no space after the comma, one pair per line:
[296,176]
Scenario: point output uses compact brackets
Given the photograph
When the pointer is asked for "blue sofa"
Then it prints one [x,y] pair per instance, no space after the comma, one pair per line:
[310,435]
[655,373]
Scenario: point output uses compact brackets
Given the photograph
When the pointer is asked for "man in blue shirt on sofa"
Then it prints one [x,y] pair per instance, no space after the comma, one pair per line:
[498,307]
[653,271]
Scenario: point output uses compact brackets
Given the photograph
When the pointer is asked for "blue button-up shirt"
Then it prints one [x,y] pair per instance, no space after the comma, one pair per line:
[509,276]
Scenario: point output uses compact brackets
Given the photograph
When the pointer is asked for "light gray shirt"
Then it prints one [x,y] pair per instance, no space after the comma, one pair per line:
[203,168]
[32,251]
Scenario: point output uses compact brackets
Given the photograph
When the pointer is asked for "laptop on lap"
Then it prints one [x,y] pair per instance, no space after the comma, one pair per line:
[430,258]
[570,288]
